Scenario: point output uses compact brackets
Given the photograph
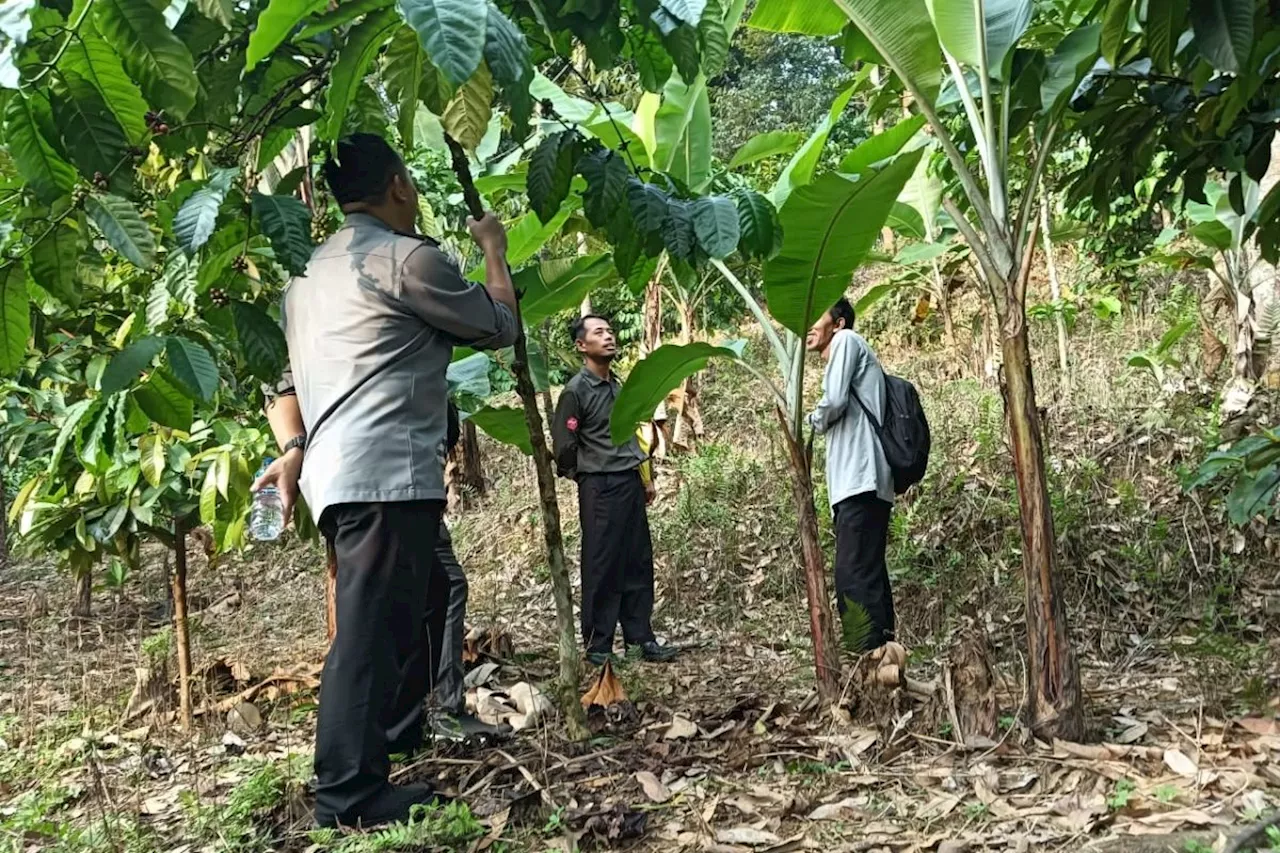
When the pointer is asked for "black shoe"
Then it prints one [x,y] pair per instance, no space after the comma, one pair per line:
[653,652]
[599,658]
[463,727]
[391,805]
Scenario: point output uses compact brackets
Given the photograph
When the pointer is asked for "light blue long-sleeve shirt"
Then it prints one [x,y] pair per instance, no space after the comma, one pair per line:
[855,458]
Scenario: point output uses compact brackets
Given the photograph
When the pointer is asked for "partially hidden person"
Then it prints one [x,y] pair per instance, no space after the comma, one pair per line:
[615,485]
[859,480]
[360,416]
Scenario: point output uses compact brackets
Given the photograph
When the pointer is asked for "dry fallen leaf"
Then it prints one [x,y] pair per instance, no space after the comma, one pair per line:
[653,787]
[1260,725]
[607,690]
[747,835]
[1178,762]
[846,808]
[681,728]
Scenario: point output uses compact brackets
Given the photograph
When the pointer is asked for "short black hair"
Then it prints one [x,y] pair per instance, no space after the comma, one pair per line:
[578,327]
[842,310]
[361,168]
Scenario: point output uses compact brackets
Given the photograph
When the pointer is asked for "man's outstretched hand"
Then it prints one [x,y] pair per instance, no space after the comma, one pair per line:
[283,474]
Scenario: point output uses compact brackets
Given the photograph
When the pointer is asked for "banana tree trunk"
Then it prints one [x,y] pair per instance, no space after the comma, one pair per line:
[330,590]
[83,606]
[688,421]
[1056,706]
[826,652]
[181,635]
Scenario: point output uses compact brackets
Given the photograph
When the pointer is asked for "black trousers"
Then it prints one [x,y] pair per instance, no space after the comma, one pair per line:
[380,666]
[617,560]
[448,692]
[862,532]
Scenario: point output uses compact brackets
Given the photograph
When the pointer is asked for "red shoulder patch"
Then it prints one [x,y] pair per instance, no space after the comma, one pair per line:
[572,424]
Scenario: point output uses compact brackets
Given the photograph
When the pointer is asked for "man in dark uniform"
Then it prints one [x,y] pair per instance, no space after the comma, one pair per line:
[451,720]
[371,327]
[613,491]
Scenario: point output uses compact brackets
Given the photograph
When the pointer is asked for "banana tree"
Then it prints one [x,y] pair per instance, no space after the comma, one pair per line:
[830,221]
[1003,91]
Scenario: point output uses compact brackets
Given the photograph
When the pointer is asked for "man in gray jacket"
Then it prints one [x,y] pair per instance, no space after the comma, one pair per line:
[859,479]
[371,326]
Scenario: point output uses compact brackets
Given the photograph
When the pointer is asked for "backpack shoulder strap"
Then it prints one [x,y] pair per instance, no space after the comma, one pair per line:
[875,422]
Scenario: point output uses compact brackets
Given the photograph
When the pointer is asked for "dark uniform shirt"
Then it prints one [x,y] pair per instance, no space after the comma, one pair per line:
[580,430]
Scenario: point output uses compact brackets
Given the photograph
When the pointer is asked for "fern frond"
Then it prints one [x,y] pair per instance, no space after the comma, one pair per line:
[856,626]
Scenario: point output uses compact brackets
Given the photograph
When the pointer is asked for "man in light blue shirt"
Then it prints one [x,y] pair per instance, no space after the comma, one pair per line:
[859,479]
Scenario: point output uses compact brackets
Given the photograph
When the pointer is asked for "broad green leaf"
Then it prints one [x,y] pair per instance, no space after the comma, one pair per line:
[90,57]
[677,232]
[682,45]
[192,365]
[222,462]
[361,46]
[1176,333]
[789,16]
[91,136]
[218,11]
[505,424]
[554,286]
[648,205]
[274,25]
[714,35]
[1224,32]
[686,11]
[164,402]
[23,497]
[128,364]
[903,34]
[331,21]
[453,32]
[830,225]
[799,171]
[71,420]
[875,293]
[402,73]
[1213,234]
[510,61]
[528,234]
[683,132]
[261,341]
[653,378]
[1252,495]
[1070,61]
[715,222]
[760,233]
[151,458]
[607,175]
[15,323]
[882,145]
[653,62]
[466,118]
[1166,19]
[956,23]
[123,228]
[195,220]
[209,494]
[1115,26]
[918,253]
[469,377]
[551,173]
[775,143]
[619,137]
[923,192]
[153,56]
[54,261]
[287,223]
[41,167]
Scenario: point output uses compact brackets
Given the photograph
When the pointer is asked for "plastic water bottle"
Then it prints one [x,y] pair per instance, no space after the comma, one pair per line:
[266,519]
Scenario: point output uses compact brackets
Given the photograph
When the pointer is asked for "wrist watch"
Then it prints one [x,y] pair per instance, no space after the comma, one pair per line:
[298,442]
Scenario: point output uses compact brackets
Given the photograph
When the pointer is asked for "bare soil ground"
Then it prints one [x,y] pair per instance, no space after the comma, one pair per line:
[725,750]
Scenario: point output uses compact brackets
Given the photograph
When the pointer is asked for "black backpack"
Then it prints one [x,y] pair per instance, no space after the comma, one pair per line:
[904,435]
